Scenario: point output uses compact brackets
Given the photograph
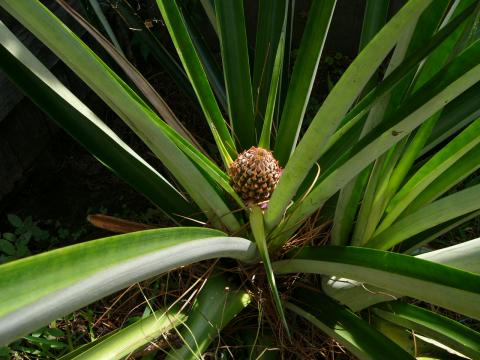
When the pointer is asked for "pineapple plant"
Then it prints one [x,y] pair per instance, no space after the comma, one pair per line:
[376,169]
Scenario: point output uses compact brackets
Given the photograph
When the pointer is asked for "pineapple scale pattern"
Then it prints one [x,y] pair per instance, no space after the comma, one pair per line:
[254,175]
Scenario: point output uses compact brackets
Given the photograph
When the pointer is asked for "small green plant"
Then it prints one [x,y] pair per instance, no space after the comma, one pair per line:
[15,244]
[41,343]
[360,189]
[29,236]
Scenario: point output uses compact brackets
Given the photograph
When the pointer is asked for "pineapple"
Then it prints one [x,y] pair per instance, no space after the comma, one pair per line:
[254,175]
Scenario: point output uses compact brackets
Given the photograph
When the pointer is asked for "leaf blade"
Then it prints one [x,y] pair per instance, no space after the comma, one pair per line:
[445,286]
[134,75]
[335,107]
[358,296]
[303,76]
[125,341]
[125,102]
[40,288]
[195,71]
[435,326]
[273,94]
[438,212]
[434,168]
[236,69]
[453,80]
[216,305]
[348,329]
[270,24]
[70,113]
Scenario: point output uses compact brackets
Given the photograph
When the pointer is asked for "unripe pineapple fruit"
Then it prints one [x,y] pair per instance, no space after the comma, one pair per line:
[254,175]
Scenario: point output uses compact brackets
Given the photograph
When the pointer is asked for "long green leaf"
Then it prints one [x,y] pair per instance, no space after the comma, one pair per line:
[428,173]
[358,296]
[377,193]
[374,199]
[398,76]
[272,95]
[369,211]
[374,19]
[439,180]
[80,122]
[125,102]
[79,350]
[450,47]
[196,73]
[207,58]
[338,143]
[448,332]
[440,211]
[442,55]
[209,8]
[347,208]
[202,161]
[334,108]
[460,75]
[287,59]
[125,341]
[442,285]
[456,173]
[236,69]
[360,338]
[270,25]
[455,117]
[134,75]
[303,76]
[412,245]
[38,289]
[216,305]
[211,169]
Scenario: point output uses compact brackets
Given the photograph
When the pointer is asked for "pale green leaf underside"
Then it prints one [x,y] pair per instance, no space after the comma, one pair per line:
[41,288]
